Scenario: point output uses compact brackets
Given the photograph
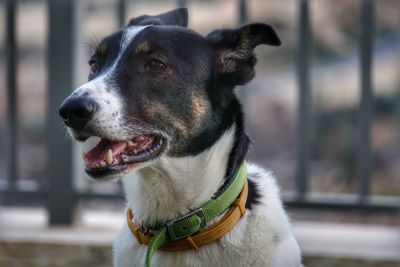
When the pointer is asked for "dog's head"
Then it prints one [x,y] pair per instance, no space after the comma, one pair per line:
[157,88]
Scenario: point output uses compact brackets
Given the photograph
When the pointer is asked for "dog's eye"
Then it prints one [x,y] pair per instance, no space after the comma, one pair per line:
[94,67]
[155,65]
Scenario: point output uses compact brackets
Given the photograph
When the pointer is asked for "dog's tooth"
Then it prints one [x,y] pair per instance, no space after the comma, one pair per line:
[130,144]
[135,151]
[83,154]
[109,158]
[103,163]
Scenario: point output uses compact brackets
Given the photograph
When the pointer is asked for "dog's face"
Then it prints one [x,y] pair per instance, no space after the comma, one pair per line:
[157,88]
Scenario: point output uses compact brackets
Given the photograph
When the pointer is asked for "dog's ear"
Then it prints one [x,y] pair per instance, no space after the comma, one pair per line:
[176,17]
[235,59]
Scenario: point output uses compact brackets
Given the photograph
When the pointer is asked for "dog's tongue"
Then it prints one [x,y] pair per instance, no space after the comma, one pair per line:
[99,152]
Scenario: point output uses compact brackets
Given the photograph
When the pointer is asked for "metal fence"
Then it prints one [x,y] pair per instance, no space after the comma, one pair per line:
[59,193]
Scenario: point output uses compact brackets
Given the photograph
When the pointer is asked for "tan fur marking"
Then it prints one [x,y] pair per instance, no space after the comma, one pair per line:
[142,47]
[179,124]
[199,106]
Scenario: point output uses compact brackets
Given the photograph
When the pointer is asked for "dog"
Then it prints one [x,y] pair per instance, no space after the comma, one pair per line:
[160,101]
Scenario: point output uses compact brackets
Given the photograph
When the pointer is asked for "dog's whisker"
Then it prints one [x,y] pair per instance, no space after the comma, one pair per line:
[93,35]
[66,133]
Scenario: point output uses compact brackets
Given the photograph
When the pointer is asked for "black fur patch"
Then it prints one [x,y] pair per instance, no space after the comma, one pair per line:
[234,116]
[253,196]
[177,17]
[235,58]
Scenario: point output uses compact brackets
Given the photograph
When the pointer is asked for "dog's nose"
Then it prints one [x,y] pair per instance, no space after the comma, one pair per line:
[76,111]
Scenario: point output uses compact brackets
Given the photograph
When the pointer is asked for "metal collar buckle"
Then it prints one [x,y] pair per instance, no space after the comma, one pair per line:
[170,225]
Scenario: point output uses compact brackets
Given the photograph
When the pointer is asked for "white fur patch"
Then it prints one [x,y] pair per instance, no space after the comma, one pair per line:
[109,120]
[173,186]
[261,238]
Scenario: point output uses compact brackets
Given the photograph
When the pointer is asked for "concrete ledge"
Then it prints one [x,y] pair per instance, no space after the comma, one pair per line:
[30,225]
[98,228]
[348,240]
[22,254]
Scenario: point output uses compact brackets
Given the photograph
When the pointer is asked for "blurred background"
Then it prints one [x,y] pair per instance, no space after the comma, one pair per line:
[323,112]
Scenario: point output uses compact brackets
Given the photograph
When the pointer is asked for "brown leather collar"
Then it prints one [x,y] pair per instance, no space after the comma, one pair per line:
[205,236]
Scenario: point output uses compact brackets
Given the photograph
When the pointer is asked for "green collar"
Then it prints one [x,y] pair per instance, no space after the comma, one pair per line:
[196,220]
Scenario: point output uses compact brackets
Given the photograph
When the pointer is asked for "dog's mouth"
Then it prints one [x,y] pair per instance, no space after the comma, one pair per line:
[109,157]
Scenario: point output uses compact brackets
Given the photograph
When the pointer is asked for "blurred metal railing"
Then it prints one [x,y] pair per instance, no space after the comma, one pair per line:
[12,116]
[60,194]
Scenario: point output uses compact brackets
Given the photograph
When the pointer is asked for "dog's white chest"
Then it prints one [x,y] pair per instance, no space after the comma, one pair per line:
[234,249]
[261,238]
